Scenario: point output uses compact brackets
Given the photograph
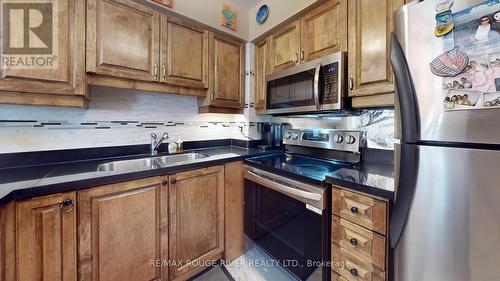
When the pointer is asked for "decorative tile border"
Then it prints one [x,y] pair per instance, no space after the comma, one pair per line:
[116,124]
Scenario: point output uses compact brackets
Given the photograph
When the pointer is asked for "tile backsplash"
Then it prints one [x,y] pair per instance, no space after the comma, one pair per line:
[115,117]
[118,117]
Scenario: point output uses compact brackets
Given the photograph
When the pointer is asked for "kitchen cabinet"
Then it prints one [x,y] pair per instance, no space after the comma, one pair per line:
[285,47]
[123,39]
[196,220]
[370,24]
[46,238]
[261,70]
[233,198]
[122,228]
[184,53]
[227,76]
[323,30]
[60,79]
[359,243]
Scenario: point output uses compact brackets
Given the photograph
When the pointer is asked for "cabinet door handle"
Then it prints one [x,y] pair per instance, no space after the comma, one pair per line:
[164,72]
[354,210]
[155,71]
[173,181]
[302,55]
[296,58]
[164,182]
[354,272]
[351,83]
[67,206]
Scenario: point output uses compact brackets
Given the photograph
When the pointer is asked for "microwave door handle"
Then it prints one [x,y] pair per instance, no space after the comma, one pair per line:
[316,86]
[284,188]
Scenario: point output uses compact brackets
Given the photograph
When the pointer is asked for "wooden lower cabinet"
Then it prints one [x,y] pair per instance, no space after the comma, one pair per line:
[359,245]
[46,239]
[233,213]
[196,220]
[122,229]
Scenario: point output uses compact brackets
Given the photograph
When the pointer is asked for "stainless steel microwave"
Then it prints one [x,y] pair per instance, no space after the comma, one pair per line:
[313,86]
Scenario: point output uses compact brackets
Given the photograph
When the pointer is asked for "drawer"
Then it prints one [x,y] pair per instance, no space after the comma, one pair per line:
[363,243]
[337,277]
[363,210]
[353,268]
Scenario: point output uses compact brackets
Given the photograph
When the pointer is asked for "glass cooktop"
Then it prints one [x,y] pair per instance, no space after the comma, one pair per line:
[313,168]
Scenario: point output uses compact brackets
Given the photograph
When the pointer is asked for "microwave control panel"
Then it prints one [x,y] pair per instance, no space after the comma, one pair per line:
[330,83]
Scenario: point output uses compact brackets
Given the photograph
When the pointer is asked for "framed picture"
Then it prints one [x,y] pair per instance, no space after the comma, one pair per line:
[228,17]
[166,3]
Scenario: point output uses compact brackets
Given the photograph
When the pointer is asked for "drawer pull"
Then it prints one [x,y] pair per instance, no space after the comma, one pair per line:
[354,272]
[354,242]
[354,210]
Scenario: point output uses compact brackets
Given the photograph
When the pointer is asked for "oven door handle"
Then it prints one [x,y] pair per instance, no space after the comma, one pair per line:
[316,86]
[285,189]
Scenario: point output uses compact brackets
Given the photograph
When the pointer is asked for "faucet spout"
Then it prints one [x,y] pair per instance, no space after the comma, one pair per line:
[156,143]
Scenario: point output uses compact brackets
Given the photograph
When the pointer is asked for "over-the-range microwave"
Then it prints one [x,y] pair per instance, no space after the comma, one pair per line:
[313,86]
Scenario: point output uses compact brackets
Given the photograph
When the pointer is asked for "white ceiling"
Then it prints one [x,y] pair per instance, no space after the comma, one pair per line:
[246,3]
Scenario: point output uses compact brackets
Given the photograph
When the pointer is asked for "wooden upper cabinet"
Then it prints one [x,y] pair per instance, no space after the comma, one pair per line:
[61,73]
[369,29]
[261,70]
[123,39]
[323,30]
[122,228]
[46,238]
[184,53]
[196,220]
[285,47]
[228,88]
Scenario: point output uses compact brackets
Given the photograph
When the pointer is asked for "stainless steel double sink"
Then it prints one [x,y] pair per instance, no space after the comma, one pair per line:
[150,162]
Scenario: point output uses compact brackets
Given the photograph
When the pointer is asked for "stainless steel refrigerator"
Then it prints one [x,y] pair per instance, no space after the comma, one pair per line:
[445,224]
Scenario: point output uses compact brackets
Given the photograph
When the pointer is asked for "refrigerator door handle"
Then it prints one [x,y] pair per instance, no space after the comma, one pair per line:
[405,90]
[407,182]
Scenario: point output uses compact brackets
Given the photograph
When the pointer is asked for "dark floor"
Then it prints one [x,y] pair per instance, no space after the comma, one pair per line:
[213,274]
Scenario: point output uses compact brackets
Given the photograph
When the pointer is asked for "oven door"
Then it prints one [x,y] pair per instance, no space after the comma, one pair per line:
[294,90]
[288,220]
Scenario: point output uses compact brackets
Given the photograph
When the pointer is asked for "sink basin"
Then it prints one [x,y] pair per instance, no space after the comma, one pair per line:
[150,162]
[128,165]
[169,160]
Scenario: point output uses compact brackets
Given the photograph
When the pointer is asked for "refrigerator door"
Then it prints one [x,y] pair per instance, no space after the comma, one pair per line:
[414,27]
[453,224]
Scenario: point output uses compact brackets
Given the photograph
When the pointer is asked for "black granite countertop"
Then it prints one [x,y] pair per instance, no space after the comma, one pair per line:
[371,177]
[37,180]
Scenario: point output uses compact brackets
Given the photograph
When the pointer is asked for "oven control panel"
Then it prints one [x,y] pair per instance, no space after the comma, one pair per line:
[343,140]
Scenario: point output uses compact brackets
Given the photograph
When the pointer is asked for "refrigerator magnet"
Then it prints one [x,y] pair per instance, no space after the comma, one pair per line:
[444,23]
[444,6]
[449,64]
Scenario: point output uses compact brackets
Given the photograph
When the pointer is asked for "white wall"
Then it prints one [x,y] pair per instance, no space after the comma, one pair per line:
[209,12]
[279,11]
[108,105]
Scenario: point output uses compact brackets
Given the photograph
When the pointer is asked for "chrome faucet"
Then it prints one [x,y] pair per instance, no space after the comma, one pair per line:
[155,143]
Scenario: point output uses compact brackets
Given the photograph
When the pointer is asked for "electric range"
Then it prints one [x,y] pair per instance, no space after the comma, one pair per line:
[287,209]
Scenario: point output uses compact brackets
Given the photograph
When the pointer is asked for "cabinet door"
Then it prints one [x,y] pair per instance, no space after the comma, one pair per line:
[60,69]
[285,47]
[184,53]
[261,70]
[323,30]
[369,29]
[122,231]
[46,238]
[228,73]
[122,39]
[196,218]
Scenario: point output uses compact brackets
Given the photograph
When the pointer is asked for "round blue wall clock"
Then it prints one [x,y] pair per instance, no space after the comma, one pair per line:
[262,14]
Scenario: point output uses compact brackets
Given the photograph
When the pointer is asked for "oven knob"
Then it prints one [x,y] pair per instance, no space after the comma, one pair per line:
[295,136]
[350,139]
[288,135]
[339,138]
